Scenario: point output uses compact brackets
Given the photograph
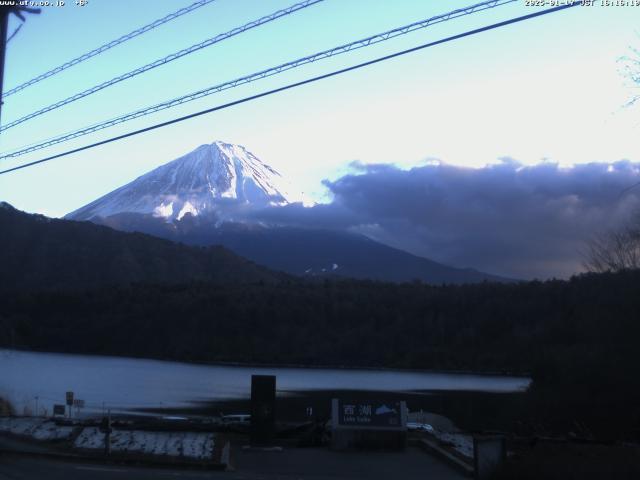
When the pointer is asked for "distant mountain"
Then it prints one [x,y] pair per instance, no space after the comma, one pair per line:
[37,252]
[300,251]
[217,179]
[205,198]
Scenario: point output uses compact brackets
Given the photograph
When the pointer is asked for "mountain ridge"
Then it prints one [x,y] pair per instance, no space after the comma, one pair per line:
[303,251]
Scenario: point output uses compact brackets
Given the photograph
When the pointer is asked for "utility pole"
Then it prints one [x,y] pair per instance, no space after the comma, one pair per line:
[105,427]
[5,11]
[4,24]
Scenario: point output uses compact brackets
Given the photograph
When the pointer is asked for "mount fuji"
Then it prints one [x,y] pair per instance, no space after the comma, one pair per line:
[206,197]
[219,179]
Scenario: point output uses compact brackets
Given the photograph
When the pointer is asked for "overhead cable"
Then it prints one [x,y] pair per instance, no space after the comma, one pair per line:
[364,42]
[294,85]
[107,46]
[163,61]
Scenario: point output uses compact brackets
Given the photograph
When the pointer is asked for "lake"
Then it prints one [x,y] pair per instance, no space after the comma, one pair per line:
[128,384]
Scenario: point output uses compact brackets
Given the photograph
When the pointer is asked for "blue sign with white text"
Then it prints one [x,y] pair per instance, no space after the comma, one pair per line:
[369,413]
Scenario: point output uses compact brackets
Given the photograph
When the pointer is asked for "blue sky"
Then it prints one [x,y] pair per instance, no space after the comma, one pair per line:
[547,88]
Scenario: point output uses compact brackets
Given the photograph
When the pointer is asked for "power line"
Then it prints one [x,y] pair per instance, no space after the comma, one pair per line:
[296,84]
[365,42]
[162,61]
[109,45]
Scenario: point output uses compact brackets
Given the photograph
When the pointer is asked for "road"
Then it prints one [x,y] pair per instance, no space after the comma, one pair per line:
[27,468]
[295,463]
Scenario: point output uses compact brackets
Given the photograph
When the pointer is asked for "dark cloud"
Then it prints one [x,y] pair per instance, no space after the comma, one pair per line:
[509,219]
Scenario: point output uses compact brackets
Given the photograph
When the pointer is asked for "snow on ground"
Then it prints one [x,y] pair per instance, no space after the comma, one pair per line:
[176,444]
[194,445]
[37,428]
[461,442]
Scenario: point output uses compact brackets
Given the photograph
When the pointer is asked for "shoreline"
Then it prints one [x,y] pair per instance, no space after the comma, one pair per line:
[485,373]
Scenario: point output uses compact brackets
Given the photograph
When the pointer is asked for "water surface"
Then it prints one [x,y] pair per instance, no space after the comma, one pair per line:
[125,384]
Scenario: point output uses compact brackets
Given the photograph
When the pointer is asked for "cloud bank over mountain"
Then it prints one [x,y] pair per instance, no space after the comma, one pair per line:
[507,218]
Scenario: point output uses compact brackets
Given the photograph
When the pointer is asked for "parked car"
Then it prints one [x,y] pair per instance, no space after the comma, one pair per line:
[236,419]
[419,427]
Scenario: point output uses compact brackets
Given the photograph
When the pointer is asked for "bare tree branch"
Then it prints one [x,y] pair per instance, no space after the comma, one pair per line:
[615,250]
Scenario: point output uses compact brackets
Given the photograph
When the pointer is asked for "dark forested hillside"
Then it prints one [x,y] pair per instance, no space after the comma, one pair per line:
[37,252]
[512,327]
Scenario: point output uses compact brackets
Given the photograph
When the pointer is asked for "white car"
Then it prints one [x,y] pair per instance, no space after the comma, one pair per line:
[242,418]
[420,427]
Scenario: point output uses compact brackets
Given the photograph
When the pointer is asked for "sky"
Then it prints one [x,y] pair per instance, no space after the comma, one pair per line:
[452,137]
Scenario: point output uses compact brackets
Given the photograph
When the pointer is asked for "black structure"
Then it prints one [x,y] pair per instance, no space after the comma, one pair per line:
[263,409]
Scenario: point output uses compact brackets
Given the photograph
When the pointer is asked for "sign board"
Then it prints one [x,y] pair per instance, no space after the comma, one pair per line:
[368,424]
[367,413]
[59,409]
[78,403]
[69,398]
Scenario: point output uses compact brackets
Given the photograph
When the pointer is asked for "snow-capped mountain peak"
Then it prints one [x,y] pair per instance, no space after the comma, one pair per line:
[214,178]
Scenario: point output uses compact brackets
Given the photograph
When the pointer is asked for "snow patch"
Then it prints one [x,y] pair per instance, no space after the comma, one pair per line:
[37,428]
[460,442]
[187,208]
[195,445]
[163,210]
